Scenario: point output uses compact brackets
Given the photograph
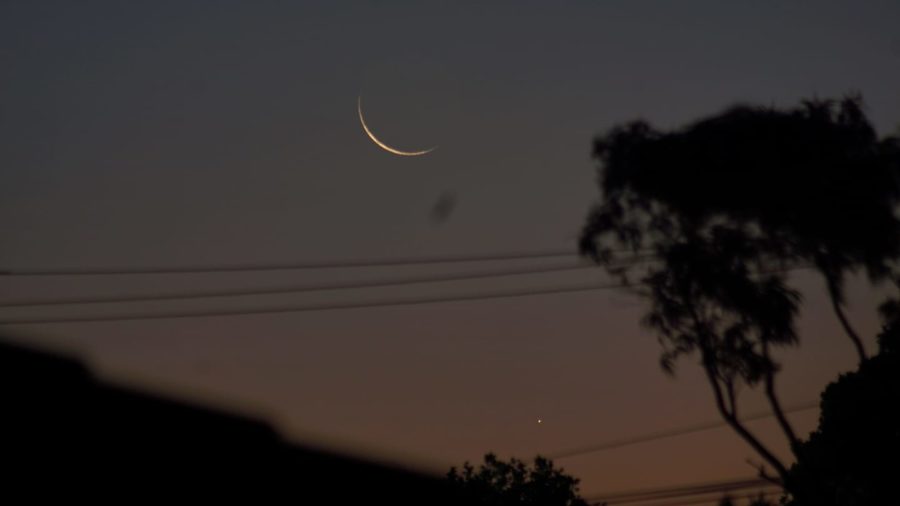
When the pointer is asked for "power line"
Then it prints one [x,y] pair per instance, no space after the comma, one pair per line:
[761,493]
[314,307]
[684,497]
[289,289]
[618,443]
[706,500]
[413,301]
[652,494]
[198,269]
[339,264]
[286,289]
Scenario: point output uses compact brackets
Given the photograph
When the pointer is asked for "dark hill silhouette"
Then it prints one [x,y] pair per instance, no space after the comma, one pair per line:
[65,434]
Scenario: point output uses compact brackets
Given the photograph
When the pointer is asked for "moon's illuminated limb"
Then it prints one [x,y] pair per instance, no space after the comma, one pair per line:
[381,144]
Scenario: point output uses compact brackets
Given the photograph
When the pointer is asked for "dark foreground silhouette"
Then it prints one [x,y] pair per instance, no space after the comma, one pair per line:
[65,435]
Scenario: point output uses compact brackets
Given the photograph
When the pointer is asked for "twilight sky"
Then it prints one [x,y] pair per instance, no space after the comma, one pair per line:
[173,133]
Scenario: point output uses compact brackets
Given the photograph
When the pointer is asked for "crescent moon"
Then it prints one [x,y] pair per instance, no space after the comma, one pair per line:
[383,145]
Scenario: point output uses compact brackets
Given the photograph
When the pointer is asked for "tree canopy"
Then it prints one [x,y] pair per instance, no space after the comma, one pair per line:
[812,185]
[726,206]
[514,483]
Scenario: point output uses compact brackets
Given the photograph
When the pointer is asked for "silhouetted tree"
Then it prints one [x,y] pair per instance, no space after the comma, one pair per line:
[513,483]
[727,205]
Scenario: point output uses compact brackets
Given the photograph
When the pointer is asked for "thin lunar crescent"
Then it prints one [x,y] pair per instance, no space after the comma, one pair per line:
[381,144]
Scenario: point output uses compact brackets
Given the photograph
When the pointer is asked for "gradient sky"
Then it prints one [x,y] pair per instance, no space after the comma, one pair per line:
[168,133]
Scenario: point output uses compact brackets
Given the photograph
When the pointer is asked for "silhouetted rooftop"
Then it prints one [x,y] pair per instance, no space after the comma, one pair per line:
[66,434]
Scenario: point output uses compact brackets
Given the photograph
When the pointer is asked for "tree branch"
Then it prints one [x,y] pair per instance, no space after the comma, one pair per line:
[742,431]
[761,469]
[776,404]
[835,294]
[730,416]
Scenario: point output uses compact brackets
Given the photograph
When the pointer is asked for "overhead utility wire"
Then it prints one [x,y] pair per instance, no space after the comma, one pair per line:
[314,307]
[325,264]
[294,288]
[657,493]
[618,443]
[410,301]
[709,500]
[301,288]
[335,264]
[688,494]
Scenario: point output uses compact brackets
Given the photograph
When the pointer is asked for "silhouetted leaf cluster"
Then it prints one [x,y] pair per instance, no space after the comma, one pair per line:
[513,483]
[805,179]
[764,188]
[852,458]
